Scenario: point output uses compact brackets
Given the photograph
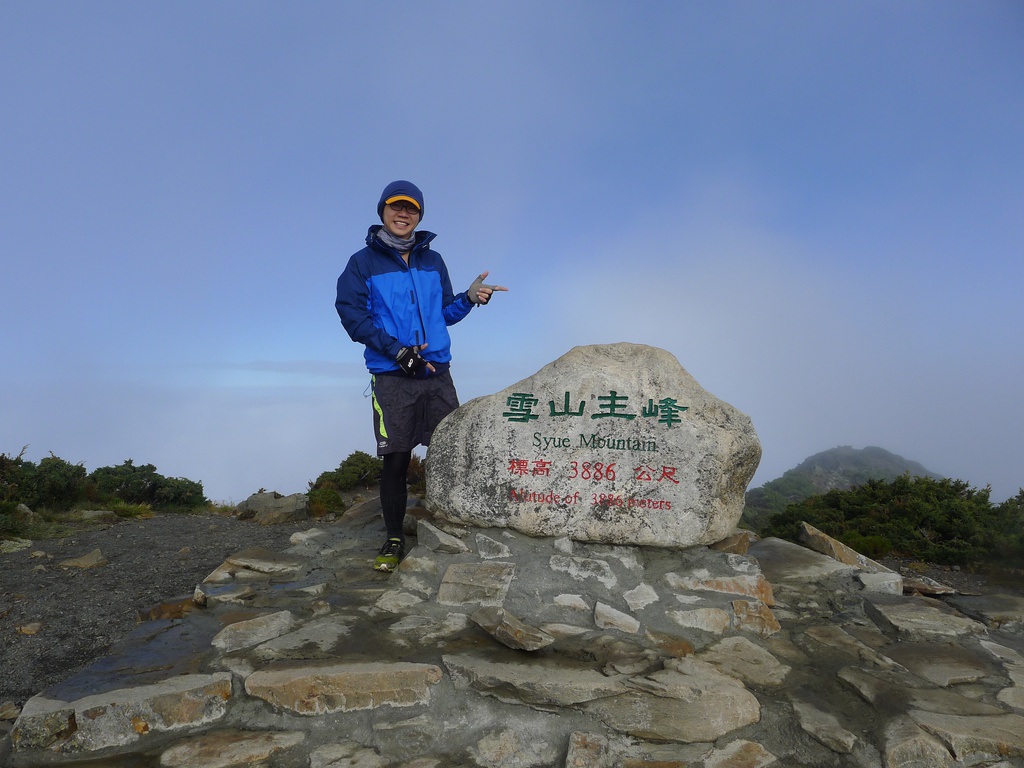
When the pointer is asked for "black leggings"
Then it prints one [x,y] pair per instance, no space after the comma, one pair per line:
[394,492]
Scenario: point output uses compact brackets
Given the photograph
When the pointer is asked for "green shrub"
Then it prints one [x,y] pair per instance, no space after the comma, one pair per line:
[323,501]
[124,509]
[359,469]
[938,521]
[9,525]
[142,484]
[172,493]
[417,476]
[12,478]
[127,482]
[54,484]
[57,486]
[1008,523]
[873,546]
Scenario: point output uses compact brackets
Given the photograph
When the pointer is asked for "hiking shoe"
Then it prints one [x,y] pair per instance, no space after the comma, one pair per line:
[390,555]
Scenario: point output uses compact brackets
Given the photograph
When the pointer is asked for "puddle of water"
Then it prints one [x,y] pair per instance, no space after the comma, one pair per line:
[122,761]
[154,651]
[171,609]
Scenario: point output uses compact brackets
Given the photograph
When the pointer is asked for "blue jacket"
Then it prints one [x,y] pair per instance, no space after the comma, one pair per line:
[386,305]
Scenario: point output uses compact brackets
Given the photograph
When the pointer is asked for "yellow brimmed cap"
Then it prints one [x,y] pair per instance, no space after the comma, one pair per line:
[400,190]
[396,198]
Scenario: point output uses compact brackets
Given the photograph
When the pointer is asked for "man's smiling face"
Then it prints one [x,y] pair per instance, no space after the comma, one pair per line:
[401,218]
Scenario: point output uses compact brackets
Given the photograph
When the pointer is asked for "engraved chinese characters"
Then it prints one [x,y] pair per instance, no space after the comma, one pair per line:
[613,443]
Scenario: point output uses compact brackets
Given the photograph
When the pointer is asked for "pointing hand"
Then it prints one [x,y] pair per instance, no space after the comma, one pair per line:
[480,293]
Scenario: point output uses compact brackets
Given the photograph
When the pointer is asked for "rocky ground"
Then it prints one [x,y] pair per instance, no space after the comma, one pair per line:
[818,688]
[55,620]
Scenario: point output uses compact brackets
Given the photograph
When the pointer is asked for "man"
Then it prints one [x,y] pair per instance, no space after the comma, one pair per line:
[395,297]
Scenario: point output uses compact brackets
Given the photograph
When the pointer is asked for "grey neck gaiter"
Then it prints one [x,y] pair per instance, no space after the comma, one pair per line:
[400,245]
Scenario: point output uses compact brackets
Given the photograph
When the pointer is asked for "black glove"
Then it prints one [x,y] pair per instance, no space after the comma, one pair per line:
[410,361]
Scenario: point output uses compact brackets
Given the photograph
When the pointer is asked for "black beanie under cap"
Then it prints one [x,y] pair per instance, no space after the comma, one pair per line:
[400,190]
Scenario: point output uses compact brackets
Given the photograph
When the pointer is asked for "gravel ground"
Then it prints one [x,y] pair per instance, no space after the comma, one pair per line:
[969,582]
[80,613]
[54,621]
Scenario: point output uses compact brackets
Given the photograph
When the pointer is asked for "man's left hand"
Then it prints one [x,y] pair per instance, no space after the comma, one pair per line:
[480,293]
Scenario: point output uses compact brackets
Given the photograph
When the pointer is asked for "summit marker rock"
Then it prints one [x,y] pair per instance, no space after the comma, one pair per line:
[613,443]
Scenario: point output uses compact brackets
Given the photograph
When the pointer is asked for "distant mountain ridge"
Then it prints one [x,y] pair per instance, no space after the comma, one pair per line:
[846,466]
[837,468]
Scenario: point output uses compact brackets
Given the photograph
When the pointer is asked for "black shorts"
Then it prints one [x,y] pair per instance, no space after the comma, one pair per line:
[406,411]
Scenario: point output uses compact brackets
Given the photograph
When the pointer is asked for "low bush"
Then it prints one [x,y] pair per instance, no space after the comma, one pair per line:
[323,501]
[358,470]
[417,476]
[144,485]
[178,493]
[939,521]
[53,484]
[54,487]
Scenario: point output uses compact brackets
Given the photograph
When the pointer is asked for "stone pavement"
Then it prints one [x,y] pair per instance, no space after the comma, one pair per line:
[491,648]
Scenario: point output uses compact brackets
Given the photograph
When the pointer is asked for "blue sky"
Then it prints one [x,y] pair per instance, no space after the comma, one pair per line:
[817,207]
